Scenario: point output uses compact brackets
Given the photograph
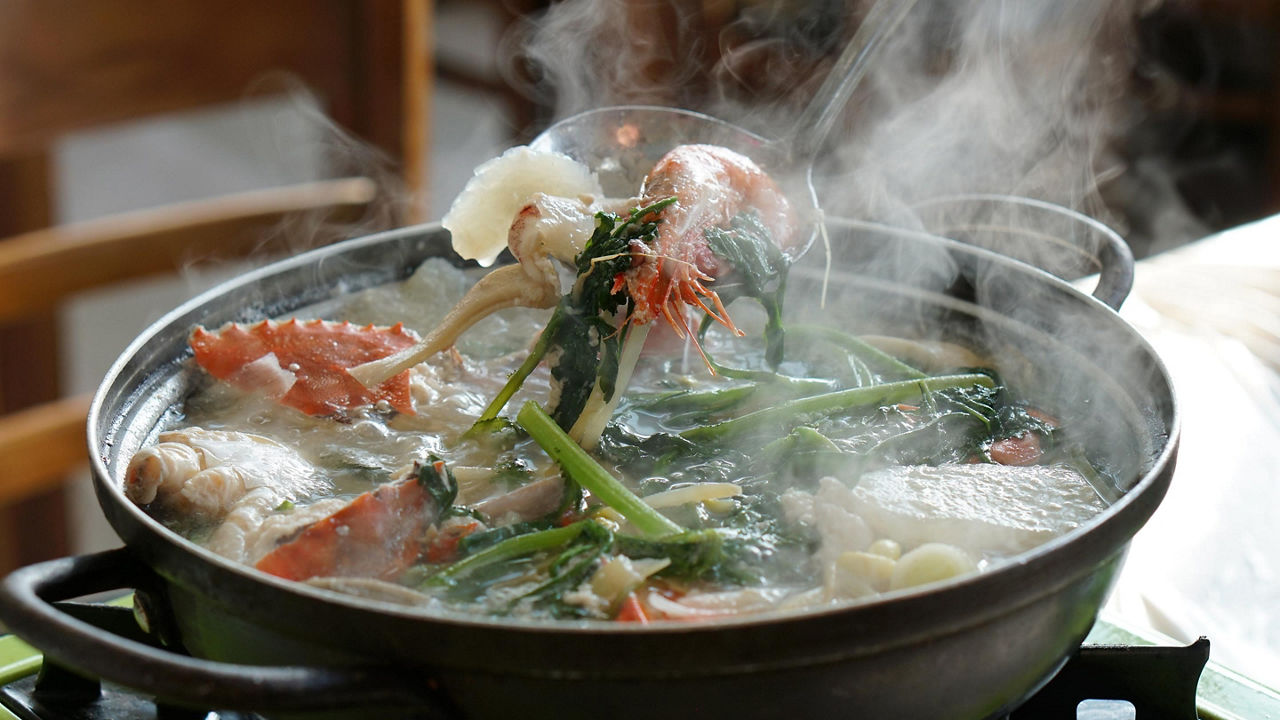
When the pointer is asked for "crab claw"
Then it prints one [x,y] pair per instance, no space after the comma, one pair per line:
[303,364]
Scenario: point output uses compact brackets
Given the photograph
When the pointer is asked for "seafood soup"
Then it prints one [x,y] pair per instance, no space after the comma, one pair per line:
[627,424]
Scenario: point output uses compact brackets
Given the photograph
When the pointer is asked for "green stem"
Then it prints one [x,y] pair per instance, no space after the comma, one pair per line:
[530,363]
[798,386]
[517,546]
[705,401]
[855,345]
[794,412]
[589,474]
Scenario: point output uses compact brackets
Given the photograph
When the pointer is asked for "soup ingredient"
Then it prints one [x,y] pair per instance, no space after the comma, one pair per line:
[258,524]
[986,508]
[859,573]
[591,352]
[705,497]
[656,262]
[759,271]
[534,500]
[585,471]
[931,562]
[538,204]
[1021,449]
[933,355]
[784,416]
[712,185]
[377,535]
[480,217]
[619,576]
[304,364]
[548,227]
[204,473]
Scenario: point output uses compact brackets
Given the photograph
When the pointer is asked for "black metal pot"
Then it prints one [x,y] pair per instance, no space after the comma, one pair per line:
[971,648]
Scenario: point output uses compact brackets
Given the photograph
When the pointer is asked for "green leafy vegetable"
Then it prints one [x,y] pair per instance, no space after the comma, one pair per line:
[512,547]
[694,555]
[588,473]
[437,479]
[797,412]
[669,459]
[760,271]
[582,335]
[852,344]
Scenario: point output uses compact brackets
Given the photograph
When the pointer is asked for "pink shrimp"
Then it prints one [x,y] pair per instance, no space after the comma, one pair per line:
[712,185]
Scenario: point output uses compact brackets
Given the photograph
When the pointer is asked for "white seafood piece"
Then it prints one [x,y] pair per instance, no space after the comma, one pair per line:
[256,524]
[195,471]
[612,581]
[480,217]
[550,227]
[830,511]
[526,502]
[982,508]
[546,228]
[875,571]
[457,388]
[619,575]
[930,563]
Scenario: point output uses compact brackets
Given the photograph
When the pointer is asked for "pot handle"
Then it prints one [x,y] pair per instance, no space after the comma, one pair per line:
[1116,278]
[1021,224]
[26,605]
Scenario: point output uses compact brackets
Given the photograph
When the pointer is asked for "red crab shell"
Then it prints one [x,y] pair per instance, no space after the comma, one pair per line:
[312,358]
[375,536]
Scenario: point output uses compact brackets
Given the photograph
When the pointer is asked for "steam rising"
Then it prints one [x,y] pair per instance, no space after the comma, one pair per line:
[1025,108]
[993,96]
[1022,98]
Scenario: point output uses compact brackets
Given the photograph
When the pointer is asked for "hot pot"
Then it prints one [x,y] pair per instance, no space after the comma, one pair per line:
[970,648]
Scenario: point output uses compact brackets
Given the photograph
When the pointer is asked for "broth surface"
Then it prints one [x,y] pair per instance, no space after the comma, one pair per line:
[809,506]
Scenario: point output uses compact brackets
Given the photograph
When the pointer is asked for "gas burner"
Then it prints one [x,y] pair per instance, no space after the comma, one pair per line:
[33,698]
[1148,682]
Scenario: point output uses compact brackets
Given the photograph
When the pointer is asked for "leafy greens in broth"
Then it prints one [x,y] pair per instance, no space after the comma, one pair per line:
[792,466]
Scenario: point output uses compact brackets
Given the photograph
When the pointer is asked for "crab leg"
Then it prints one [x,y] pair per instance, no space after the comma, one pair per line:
[545,229]
[506,287]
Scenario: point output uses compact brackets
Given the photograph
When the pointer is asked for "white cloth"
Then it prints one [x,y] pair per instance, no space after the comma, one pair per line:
[1208,562]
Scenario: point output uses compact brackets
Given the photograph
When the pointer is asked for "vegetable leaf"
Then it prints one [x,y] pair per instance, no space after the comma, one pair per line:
[760,272]
[582,336]
[437,479]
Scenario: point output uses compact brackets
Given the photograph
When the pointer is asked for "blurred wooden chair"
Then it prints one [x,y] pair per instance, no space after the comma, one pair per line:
[69,65]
